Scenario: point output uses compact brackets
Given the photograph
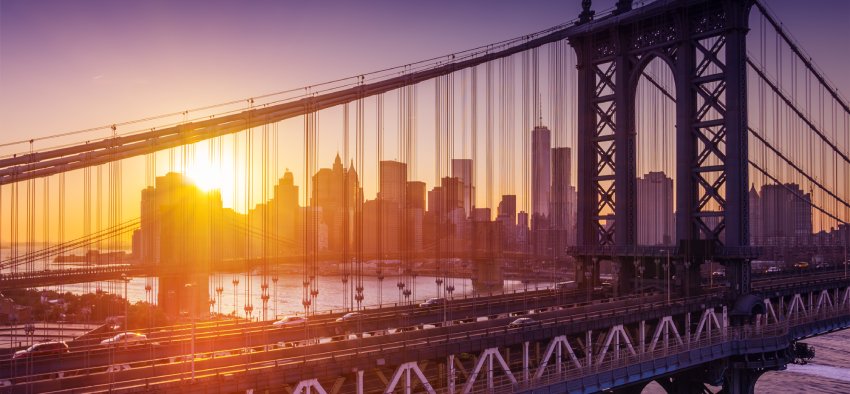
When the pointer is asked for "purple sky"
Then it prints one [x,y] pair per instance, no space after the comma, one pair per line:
[66,65]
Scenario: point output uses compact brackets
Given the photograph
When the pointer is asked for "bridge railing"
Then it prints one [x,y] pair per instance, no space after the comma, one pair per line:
[567,371]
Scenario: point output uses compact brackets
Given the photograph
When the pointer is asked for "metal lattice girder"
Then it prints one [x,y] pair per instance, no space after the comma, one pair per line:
[489,356]
[605,148]
[617,337]
[665,327]
[556,346]
[308,386]
[710,130]
[406,370]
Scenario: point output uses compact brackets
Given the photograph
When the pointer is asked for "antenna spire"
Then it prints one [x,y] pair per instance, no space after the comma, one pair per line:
[539,110]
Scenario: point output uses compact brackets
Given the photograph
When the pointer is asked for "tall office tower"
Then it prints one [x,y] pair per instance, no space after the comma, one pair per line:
[462,170]
[786,215]
[559,206]
[284,207]
[415,215]
[284,219]
[559,195]
[506,216]
[393,182]
[507,209]
[452,194]
[416,195]
[541,141]
[522,229]
[655,209]
[337,192]
[435,202]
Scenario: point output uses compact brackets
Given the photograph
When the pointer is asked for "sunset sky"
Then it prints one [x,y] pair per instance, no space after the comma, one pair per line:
[71,65]
[89,63]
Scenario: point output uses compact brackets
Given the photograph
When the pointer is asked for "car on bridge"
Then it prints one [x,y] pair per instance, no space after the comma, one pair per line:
[432,302]
[522,322]
[126,339]
[289,321]
[772,270]
[350,316]
[43,349]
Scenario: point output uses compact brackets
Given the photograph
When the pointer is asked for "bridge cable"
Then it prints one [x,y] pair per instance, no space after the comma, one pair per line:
[345,264]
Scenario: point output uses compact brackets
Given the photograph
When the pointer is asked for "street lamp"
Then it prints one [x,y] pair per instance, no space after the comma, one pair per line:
[235,282]
[126,280]
[667,269]
[190,287]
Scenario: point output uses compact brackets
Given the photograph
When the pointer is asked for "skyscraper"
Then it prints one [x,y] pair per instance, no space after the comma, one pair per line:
[560,206]
[541,140]
[393,182]
[416,195]
[786,215]
[462,170]
[506,216]
[507,209]
[655,209]
[336,191]
[559,197]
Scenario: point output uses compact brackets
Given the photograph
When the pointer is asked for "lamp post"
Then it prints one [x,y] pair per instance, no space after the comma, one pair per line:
[126,280]
[190,287]
[235,283]
[667,275]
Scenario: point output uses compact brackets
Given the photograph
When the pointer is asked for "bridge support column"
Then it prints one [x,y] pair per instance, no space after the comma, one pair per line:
[359,382]
[741,380]
[451,374]
[626,277]
[525,362]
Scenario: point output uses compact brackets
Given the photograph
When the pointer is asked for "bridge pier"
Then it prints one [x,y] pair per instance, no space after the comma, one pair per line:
[587,273]
[625,269]
[741,380]
[688,382]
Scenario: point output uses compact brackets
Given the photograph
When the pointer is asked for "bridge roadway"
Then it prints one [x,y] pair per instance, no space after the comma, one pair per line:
[150,372]
[242,347]
[44,278]
[168,343]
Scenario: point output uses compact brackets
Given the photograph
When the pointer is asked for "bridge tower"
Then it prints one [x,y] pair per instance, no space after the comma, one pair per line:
[704,44]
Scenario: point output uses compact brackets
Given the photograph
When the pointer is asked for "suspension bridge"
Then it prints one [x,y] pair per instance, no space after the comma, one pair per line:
[654,193]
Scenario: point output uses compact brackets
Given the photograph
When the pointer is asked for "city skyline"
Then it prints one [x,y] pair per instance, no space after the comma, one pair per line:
[214,171]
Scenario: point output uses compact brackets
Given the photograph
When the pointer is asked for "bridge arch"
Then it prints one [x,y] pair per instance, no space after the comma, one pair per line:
[653,113]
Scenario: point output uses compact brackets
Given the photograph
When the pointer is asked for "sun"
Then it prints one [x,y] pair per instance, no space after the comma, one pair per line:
[205,173]
[212,174]
[205,176]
